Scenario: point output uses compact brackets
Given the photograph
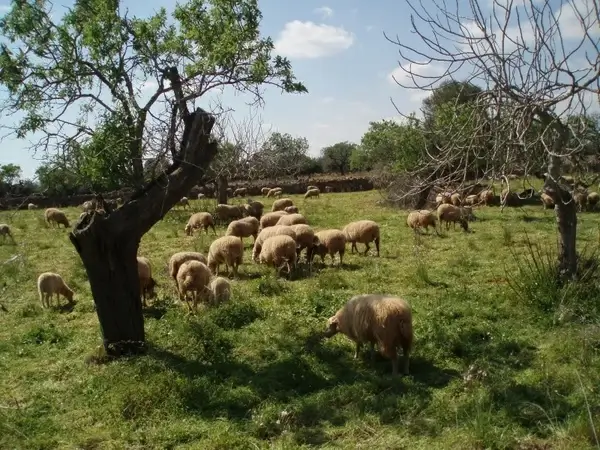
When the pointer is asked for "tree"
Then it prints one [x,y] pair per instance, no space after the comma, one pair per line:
[337,157]
[281,155]
[97,58]
[10,173]
[534,69]
[449,91]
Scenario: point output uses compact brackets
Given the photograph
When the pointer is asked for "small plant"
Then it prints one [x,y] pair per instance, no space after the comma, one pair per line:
[507,236]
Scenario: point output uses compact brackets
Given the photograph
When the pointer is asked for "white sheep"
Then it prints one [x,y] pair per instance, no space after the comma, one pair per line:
[278,251]
[275,192]
[486,197]
[292,219]
[281,204]
[547,201]
[246,227]
[421,219]
[330,242]
[382,320]
[264,191]
[305,239]
[291,209]
[184,202]
[308,188]
[271,218]
[228,250]
[254,208]
[471,200]
[363,232]
[201,220]
[240,192]
[49,284]
[31,206]
[88,206]
[179,258]
[225,212]
[266,234]
[54,215]
[450,213]
[312,193]
[220,290]
[193,280]
[147,283]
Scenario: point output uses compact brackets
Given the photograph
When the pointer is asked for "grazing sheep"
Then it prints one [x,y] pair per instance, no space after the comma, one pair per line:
[184,202]
[54,215]
[229,192]
[312,193]
[179,258]
[486,197]
[201,196]
[200,220]
[291,209]
[246,227]
[308,188]
[467,212]
[471,200]
[593,198]
[547,201]
[254,208]
[292,219]
[382,320]
[278,251]
[450,213]
[49,284]
[363,232]
[220,290]
[264,191]
[31,206]
[328,188]
[88,206]
[421,219]
[580,199]
[226,213]
[147,283]
[455,199]
[193,280]
[305,239]
[275,192]
[266,234]
[330,242]
[271,218]
[241,192]
[228,250]
[281,204]
[5,231]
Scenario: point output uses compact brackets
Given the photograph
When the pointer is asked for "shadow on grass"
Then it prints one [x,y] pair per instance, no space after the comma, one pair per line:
[65,307]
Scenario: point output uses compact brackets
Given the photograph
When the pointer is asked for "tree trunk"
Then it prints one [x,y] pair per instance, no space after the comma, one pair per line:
[222,189]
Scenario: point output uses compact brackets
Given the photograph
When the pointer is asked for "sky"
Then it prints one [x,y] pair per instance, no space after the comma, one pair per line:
[338,50]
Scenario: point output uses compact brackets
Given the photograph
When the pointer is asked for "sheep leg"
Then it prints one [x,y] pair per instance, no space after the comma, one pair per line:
[358,348]
[367,248]
[354,247]
[377,245]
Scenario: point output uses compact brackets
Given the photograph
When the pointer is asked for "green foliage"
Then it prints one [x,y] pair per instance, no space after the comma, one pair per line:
[336,158]
[281,154]
[453,92]
[10,173]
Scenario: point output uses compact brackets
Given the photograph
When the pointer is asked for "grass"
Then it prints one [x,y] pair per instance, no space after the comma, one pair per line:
[489,369]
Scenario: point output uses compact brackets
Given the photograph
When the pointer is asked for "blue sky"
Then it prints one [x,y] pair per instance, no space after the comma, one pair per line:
[337,49]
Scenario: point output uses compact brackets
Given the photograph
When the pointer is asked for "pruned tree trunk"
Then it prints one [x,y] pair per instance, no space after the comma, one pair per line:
[108,242]
[222,186]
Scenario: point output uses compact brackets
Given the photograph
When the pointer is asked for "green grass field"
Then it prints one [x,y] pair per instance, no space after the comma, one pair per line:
[489,370]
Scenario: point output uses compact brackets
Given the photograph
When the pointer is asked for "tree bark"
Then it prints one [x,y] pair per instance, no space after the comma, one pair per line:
[222,189]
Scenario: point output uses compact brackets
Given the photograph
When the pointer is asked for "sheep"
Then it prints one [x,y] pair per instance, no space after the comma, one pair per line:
[275,192]
[312,193]
[593,198]
[471,200]
[193,280]
[363,232]
[31,206]
[201,196]
[308,188]
[292,219]
[266,234]
[291,209]
[305,239]
[228,250]
[179,258]
[547,201]
[455,199]
[54,215]
[278,251]
[467,212]
[240,192]
[200,220]
[271,218]
[50,283]
[226,212]
[246,227]
[580,199]
[229,192]
[147,283]
[88,205]
[219,290]
[254,208]
[450,213]
[382,320]
[328,188]
[486,197]
[330,242]
[264,191]
[279,205]
[421,219]
[5,232]
[119,201]
[184,202]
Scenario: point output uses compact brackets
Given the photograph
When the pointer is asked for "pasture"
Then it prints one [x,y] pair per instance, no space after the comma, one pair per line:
[489,369]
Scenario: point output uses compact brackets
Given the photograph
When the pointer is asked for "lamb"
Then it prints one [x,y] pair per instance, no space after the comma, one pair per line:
[228,250]
[330,242]
[240,192]
[200,220]
[281,204]
[421,219]
[312,193]
[471,200]
[271,218]
[226,212]
[54,215]
[31,206]
[455,199]
[292,219]
[264,191]
[184,202]
[220,290]
[593,198]
[305,239]
[278,251]
[50,283]
[179,258]
[450,213]
[384,320]
[246,227]
[147,283]
[291,209]
[5,232]
[267,233]
[193,280]
[547,201]
[364,232]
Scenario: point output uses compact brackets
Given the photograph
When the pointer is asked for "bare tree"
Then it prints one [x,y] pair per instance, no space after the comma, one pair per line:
[537,64]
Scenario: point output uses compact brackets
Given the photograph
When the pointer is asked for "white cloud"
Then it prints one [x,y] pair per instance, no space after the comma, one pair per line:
[307,40]
[419,70]
[573,26]
[324,12]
